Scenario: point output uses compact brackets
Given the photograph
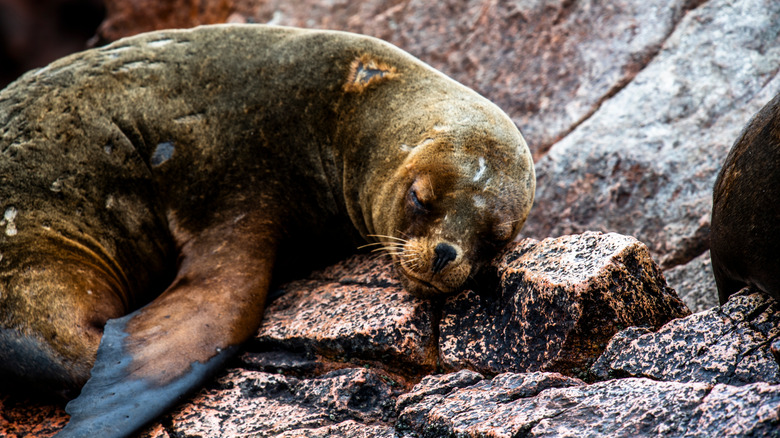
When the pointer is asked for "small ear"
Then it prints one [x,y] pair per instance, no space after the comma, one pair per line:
[367,70]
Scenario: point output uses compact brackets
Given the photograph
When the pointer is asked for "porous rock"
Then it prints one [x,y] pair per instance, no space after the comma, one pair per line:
[558,304]
[551,405]
[24,417]
[355,309]
[729,344]
[250,403]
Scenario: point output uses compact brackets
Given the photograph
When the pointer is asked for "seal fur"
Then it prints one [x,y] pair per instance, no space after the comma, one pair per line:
[153,188]
[744,243]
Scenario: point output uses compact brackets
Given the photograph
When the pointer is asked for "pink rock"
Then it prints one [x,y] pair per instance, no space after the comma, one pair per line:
[558,304]
[356,308]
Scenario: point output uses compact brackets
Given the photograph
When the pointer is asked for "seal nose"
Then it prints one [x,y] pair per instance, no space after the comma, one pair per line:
[445,253]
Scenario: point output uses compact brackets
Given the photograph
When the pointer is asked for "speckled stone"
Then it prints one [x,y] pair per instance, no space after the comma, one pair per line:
[729,344]
[356,308]
[559,302]
[249,403]
[512,405]
[694,282]
[23,417]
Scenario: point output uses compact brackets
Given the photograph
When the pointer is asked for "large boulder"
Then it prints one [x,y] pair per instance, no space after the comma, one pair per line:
[558,303]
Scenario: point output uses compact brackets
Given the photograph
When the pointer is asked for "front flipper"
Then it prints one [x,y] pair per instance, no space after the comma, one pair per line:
[148,360]
[113,403]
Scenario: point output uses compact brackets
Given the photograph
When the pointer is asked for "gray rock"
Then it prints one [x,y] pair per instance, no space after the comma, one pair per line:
[694,283]
[729,345]
[645,162]
[559,302]
[511,405]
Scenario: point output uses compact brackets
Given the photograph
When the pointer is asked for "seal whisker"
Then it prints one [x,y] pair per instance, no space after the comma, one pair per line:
[387,237]
[379,243]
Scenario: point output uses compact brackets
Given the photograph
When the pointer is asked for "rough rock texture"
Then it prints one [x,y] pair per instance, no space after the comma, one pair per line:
[729,344]
[630,108]
[548,404]
[559,302]
[250,403]
[549,64]
[24,417]
[645,162]
[694,283]
[129,17]
[356,308]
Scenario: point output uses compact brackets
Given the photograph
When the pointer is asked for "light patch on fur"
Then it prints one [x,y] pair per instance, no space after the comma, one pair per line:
[365,71]
[481,171]
[162,153]
[160,43]
[132,65]
[8,221]
[479,202]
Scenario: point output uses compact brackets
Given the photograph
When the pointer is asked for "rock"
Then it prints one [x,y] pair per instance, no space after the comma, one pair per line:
[129,17]
[243,403]
[548,404]
[355,309]
[559,302]
[694,283]
[548,64]
[35,33]
[723,345]
[645,162]
[21,416]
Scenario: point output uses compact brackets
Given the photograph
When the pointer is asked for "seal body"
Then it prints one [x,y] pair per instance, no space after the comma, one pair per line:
[152,189]
[745,234]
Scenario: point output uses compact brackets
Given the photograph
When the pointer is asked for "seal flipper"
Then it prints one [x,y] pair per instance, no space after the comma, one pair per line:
[113,405]
[149,359]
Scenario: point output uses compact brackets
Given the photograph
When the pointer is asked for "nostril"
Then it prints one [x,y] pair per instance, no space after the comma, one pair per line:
[444,253]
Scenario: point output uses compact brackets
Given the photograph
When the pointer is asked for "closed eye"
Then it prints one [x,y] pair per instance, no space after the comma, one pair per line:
[419,207]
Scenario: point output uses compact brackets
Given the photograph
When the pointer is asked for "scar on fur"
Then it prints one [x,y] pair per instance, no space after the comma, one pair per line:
[365,71]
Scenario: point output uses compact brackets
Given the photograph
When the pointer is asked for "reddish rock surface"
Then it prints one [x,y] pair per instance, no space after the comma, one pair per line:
[559,302]
[130,17]
[637,104]
[354,309]
[249,403]
[729,344]
[24,417]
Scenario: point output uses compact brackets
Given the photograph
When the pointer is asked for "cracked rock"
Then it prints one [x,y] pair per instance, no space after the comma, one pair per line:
[243,403]
[356,308]
[729,344]
[550,405]
[559,302]
[645,162]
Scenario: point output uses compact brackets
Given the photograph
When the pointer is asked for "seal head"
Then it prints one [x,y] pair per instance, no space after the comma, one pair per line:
[450,179]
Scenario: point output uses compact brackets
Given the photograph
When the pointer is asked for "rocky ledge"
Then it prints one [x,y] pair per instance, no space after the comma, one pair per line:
[577,335]
[630,109]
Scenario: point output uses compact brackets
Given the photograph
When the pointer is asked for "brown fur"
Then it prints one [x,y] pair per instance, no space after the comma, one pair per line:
[744,242]
[186,169]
